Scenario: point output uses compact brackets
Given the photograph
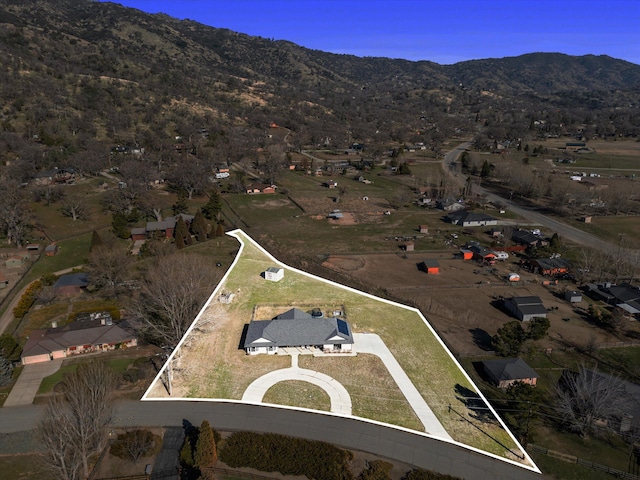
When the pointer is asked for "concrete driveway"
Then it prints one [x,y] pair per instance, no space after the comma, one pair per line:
[26,387]
[373,344]
[340,399]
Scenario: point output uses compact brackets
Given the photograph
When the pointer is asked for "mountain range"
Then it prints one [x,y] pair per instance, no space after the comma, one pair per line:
[114,70]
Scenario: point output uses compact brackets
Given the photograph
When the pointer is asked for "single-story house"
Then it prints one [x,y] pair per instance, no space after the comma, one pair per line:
[572,296]
[504,372]
[275,274]
[482,253]
[164,228]
[465,218]
[331,184]
[524,237]
[297,329]
[430,265]
[261,188]
[550,266]
[449,205]
[71,283]
[624,296]
[526,308]
[57,175]
[73,339]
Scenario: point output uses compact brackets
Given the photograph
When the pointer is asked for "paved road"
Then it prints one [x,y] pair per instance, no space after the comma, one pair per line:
[562,229]
[413,448]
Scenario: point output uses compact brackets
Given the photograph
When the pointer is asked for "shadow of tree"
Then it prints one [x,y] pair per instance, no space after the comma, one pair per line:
[481,338]
[473,402]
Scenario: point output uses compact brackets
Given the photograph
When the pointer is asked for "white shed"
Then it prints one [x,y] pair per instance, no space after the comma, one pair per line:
[275,274]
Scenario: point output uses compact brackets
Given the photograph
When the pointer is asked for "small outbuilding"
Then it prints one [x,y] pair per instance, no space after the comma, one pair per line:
[51,250]
[431,266]
[275,274]
[423,228]
[4,282]
[409,246]
[466,254]
[572,296]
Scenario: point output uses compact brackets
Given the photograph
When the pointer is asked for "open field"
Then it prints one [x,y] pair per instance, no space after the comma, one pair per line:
[227,370]
[619,230]
[463,301]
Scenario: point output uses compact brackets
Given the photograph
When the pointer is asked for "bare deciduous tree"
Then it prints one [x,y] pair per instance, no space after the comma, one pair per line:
[73,427]
[75,207]
[586,397]
[15,215]
[173,292]
[108,266]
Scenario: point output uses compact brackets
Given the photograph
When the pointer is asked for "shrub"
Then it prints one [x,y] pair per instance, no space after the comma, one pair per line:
[135,444]
[420,474]
[289,456]
[27,299]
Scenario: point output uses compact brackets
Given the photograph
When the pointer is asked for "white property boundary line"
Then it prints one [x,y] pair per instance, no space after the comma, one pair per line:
[240,235]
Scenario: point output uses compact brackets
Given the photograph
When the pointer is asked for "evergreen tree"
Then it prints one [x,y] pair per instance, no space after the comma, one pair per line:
[205,454]
[186,452]
[199,226]
[181,234]
[509,339]
[180,206]
[96,241]
[538,328]
[119,225]
[486,169]
[213,207]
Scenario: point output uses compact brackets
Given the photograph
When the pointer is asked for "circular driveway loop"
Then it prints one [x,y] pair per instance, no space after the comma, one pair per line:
[340,399]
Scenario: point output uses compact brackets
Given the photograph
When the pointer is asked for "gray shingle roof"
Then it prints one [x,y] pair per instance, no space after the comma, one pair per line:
[508,369]
[297,328]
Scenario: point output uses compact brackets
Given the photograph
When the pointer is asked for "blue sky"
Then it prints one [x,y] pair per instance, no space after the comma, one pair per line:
[444,31]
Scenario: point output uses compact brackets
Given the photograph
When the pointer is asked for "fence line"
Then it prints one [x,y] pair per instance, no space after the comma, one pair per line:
[585,463]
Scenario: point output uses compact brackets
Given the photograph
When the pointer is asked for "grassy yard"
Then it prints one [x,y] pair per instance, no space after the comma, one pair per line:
[228,371]
[619,230]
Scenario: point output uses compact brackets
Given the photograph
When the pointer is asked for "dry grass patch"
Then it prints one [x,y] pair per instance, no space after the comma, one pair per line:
[296,393]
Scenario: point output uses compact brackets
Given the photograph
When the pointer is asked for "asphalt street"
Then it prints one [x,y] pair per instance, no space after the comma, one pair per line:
[562,229]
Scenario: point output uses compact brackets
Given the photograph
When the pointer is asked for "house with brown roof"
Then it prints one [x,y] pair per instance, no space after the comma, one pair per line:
[74,339]
[261,188]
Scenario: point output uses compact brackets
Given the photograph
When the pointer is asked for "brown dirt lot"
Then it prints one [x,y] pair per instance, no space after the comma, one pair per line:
[463,301]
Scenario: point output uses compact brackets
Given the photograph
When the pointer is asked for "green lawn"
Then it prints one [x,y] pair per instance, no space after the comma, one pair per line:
[229,371]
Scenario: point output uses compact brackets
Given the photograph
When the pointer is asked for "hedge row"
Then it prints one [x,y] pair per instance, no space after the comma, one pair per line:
[27,299]
[289,456]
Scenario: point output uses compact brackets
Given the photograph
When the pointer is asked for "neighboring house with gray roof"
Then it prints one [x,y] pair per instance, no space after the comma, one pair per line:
[507,371]
[466,218]
[74,339]
[526,308]
[295,328]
